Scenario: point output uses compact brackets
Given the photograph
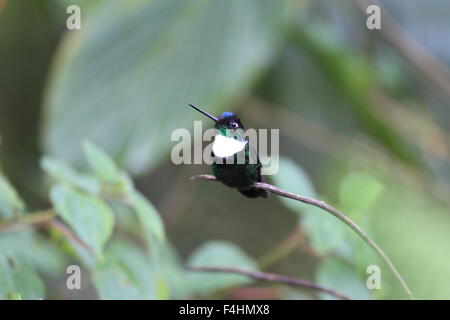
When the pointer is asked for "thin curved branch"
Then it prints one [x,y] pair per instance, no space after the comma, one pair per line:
[271,277]
[44,218]
[67,233]
[25,220]
[326,207]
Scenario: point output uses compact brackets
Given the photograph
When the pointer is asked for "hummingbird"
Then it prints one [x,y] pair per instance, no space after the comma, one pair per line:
[230,143]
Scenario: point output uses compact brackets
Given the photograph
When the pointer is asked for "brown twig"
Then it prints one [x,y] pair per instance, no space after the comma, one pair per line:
[28,219]
[45,218]
[326,207]
[67,233]
[271,277]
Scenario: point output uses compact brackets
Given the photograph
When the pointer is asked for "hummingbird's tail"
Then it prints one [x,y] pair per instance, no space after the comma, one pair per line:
[254,192]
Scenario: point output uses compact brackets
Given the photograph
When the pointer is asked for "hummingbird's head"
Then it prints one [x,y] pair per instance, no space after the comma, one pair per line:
[225,123]
[228,120]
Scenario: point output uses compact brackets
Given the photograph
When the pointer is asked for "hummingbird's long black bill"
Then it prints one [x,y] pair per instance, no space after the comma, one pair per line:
[204,112]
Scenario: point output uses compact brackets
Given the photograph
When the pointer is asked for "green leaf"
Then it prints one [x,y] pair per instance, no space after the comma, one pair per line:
[10,202]
[61,172]
[113,282]
[148,217]
[169,268]
[101,164]
[337,275]
[28,243]
[116,181]
[325,232]
[358,192]
[218,254]
[89,217]
[18,279]
[27,283]
[138,267]
[129,273]
[125,79]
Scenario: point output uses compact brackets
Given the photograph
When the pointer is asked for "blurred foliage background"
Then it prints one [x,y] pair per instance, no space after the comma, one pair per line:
[364,124]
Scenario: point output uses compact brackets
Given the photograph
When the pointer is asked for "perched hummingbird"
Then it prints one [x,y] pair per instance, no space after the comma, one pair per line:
[230,142]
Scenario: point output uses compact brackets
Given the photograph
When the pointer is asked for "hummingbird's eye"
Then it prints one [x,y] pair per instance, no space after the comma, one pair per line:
[233,124]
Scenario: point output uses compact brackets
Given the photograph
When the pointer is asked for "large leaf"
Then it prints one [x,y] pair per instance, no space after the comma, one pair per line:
[89,217]
[101,164]
[148,217]
[113,282]
[126,274]
[218,254]
[125,78]
[61,172]
[28,243]
[171,275]
[116,182]
[18,279]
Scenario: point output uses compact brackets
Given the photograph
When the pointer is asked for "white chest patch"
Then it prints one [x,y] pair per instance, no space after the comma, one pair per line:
[224,147]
